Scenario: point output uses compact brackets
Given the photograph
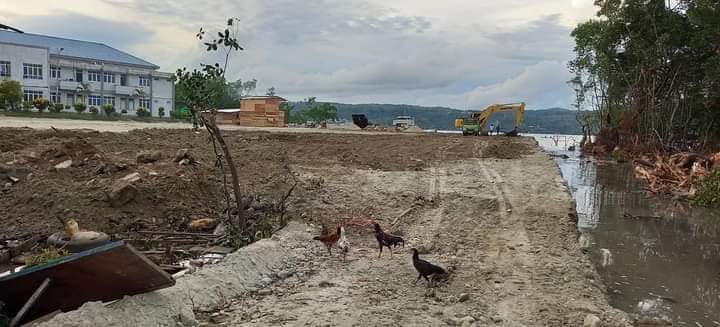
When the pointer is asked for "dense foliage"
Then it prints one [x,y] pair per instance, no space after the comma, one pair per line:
[41,104]
[650,69]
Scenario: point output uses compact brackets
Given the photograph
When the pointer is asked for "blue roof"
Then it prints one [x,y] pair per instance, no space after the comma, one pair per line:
[74,48]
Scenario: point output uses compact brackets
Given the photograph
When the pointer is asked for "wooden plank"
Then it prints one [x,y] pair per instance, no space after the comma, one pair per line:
[105,273]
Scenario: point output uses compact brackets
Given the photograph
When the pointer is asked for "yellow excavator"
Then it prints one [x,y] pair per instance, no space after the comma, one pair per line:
[475,125]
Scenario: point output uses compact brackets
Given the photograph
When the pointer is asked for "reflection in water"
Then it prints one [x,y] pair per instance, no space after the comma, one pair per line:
[658,258]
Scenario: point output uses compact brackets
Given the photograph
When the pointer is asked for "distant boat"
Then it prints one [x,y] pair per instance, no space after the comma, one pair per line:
[404,121]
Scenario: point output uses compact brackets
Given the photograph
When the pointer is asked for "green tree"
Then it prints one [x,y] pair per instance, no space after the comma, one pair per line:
[319,112]
[11,94]
[270,91]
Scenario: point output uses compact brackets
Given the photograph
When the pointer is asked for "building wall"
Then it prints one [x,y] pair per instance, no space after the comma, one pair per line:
[159,94]
[17,55]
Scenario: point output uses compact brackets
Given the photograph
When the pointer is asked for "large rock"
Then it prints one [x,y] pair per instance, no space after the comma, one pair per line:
[591,320]
[148,156]
[121,193]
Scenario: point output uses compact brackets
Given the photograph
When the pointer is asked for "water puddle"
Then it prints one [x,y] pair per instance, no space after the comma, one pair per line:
[658,258]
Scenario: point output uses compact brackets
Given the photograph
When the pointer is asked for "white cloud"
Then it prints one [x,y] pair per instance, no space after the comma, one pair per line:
[537,84]
[452,53]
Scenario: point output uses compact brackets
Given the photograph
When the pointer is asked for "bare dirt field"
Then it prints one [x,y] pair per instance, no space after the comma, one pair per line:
[502,224]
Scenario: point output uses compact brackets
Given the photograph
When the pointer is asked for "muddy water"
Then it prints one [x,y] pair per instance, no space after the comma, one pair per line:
[657,257]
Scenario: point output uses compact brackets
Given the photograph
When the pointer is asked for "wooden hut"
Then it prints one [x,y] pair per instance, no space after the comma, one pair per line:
[261,111]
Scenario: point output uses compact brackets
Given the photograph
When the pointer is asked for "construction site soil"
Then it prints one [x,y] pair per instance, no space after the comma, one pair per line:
[170,195]
[493,208]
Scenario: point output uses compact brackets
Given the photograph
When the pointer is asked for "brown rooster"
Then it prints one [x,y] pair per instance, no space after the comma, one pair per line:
[329,239]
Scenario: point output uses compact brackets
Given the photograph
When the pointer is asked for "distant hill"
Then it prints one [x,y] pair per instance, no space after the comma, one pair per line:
[553,120]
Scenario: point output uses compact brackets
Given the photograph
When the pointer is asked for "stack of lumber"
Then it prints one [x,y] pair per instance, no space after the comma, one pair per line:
[261,114]
[675,174]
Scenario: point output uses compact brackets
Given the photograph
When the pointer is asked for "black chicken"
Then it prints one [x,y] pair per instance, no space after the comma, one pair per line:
[425,268]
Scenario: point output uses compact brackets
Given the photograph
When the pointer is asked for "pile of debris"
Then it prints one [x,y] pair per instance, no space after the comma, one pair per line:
[676,174]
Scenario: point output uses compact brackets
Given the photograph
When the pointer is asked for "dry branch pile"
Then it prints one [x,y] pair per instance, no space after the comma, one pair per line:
[676,174]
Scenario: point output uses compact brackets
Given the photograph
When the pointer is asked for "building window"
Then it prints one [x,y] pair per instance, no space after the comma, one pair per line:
[144,81]
[70,98]
[144,103]
[123,80]
[30,95]
[78,75]
[110,100]
[108,77]
[95,100]
[4,68]
[32,71]
[94,76]
[55,72]
[54,97]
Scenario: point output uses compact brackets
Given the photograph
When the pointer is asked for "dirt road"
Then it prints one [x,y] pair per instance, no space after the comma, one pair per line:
[501,224]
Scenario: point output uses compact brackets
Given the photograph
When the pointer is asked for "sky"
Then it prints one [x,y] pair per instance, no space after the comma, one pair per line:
[464,54]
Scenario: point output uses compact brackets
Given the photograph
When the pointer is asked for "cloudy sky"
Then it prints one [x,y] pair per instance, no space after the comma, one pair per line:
[456,53]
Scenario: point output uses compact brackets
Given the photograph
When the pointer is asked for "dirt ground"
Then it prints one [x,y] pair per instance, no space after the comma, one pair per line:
[502,224]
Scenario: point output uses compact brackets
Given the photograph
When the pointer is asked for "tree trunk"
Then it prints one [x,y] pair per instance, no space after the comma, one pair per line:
[209,121]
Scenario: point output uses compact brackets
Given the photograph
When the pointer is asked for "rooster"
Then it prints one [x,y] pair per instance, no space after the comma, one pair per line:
[329,239]
[343,244]
[385,239]
[425,268]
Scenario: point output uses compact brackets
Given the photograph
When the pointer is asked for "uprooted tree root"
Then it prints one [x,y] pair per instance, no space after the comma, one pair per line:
[680,174]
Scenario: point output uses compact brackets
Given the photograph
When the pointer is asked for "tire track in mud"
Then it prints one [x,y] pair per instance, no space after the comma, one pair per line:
[513,263]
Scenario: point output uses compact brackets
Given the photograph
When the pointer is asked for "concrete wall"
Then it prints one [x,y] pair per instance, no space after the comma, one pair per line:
[17,55]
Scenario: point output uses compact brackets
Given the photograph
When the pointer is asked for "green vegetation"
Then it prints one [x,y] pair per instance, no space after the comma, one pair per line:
[10,95]
[57,107]
[161,112]
[108,109]
[708,192]
[79,107]
[80,116]
[142,112]
[650,70]
[94,110]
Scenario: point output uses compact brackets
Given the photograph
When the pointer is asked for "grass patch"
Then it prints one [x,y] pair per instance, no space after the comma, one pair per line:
[708,191]
[88,116]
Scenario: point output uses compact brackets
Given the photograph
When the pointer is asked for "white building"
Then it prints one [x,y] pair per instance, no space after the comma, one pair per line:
[68,71]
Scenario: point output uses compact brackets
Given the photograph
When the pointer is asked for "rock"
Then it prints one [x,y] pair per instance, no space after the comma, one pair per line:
[591,320]
[468,319]
[184,162]
[8,185]
[459,253]
[463,297]
[284,274]
[181,154]
[148,156]
[451,321]
[264,291]
[324,283]
[509,210]
[218,318]
[65,164]
[134,177]
[266,280]
[13,179]
[121,193]
[202,224]
[430,292]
